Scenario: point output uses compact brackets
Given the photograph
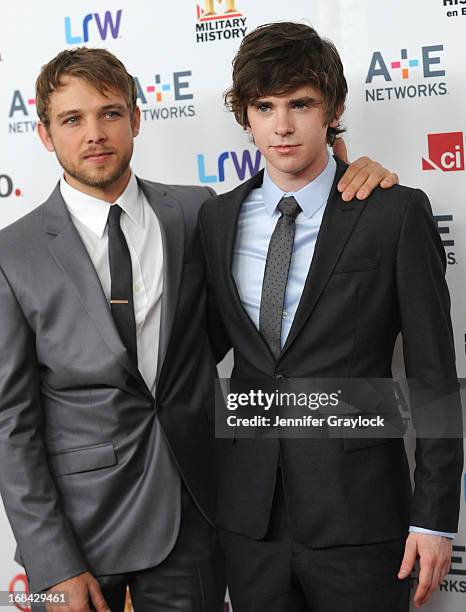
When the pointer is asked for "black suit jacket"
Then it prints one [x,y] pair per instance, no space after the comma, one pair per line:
[378,270]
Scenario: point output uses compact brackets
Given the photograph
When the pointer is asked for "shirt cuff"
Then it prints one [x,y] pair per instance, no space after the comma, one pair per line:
[445,534]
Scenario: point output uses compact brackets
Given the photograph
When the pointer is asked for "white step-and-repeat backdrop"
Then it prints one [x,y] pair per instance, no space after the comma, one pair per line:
[406,107]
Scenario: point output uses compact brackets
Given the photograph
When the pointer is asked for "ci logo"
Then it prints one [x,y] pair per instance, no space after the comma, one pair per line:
[446,152]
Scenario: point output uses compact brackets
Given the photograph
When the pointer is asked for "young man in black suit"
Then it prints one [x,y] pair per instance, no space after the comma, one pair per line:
[308,286]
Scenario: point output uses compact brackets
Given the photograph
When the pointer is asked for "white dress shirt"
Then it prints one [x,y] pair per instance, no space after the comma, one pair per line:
[142,232]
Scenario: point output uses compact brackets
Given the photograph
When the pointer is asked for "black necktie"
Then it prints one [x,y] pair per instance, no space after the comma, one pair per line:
[277,266]
[121,274]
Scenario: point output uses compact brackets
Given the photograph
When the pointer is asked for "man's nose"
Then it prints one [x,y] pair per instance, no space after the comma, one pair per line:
[95,132]
[283,123]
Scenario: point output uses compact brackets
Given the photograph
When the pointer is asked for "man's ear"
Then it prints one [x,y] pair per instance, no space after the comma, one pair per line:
[44,135]
[248,130]
[334,122]
[136,121]
[340,150]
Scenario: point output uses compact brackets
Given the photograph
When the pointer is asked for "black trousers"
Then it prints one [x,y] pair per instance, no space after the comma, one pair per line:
[277,574]
[190,579]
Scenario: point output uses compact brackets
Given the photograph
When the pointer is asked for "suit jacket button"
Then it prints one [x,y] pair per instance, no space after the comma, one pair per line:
[280,379]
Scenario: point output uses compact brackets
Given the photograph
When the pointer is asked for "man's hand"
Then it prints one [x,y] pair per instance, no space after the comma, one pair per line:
[80,590]
[363,175]
[434,553]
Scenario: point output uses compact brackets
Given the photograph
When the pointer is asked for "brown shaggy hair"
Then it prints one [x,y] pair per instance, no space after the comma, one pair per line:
[278,58]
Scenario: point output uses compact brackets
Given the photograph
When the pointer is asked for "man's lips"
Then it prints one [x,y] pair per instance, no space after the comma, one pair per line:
[98,155]
[285,148]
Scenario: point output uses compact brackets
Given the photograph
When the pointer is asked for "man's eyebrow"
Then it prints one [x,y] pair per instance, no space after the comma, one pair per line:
[304,100]
[115,106]
[301,100]
[73,111]
[106,107]
[260,101]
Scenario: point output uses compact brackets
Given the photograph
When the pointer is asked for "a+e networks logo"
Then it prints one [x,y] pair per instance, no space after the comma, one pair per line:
[167,97]
[444,224]
[219,20]
[389,77]
[25,107]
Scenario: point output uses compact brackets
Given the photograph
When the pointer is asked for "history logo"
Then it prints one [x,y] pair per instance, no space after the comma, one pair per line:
[454,8]
[219,20]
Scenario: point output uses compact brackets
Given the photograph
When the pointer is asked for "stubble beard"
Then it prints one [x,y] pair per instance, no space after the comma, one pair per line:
[94,180]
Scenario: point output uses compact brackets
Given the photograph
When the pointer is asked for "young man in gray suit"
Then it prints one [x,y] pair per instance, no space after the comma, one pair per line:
[106,371]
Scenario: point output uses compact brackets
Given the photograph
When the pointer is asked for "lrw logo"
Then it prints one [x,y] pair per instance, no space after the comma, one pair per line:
[242,165]
[103,25]
[446,152]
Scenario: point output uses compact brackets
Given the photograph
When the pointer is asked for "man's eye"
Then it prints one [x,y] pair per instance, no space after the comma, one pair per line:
[263,108]
[112,114]
[71,120]
[299,105]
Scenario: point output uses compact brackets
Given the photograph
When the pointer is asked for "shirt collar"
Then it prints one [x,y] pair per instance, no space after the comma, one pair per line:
[93,212]
[311,197]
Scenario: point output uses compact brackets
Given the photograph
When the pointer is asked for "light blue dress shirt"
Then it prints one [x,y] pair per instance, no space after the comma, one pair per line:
[257,219]
[256,222]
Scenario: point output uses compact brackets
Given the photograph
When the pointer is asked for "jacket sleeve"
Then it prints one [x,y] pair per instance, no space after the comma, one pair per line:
[46,543]
[216,330]
[429,355]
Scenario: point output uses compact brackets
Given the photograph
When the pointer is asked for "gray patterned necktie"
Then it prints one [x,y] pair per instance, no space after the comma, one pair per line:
[277,266]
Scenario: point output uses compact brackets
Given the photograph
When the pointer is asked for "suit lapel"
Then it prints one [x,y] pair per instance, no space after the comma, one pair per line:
[230,214]
[172,226]
[69,252]
[338,222]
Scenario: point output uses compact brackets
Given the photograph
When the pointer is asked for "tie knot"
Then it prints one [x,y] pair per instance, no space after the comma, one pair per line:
[289,207]
[114,215]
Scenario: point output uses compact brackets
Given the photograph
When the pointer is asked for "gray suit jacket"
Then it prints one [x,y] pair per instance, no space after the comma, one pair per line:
[87,477]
